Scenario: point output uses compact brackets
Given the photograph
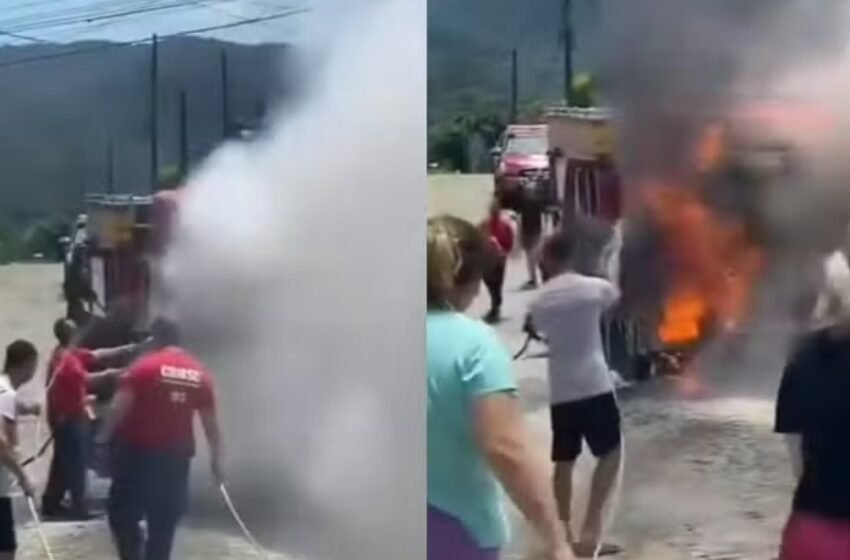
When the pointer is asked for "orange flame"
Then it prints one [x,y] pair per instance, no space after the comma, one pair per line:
[714,265]
[710,148]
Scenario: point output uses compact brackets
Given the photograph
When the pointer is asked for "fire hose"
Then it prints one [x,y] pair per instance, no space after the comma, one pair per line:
[524,347]
[48,553]
[240,523]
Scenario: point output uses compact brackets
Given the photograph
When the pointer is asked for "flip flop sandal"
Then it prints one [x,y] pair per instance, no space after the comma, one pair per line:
[583,550]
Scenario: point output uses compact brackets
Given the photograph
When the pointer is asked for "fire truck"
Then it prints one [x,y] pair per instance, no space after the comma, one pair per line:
[116,250]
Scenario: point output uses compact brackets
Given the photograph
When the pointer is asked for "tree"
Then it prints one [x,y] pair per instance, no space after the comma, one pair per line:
[584,91]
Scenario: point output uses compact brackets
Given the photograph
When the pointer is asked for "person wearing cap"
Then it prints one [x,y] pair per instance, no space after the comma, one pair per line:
[149,432]
[69,381]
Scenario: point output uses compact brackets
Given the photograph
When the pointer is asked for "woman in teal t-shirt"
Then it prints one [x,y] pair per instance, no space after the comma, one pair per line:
[476,440]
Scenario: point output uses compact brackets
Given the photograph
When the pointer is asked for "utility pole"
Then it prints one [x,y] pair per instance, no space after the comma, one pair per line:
[225,96]
[154,113]
[110,165]
[514,87]
[184,134]
[567,45]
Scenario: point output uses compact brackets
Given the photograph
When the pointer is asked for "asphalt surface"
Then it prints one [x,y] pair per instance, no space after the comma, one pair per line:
[705,477]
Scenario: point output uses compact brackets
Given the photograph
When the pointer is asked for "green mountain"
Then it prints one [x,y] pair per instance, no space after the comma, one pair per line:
[469,52]
[59,112]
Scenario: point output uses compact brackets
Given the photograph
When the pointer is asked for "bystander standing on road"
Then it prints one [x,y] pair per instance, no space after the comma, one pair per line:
[19,368]
[149,431]
[69,382]
[567,312]
[813,412]
[531,230]
[500,234]
[477,443]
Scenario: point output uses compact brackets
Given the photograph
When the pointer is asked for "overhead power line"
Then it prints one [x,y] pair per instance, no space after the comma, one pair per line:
[58,11]
[111,46]
[21,37]
[44,22]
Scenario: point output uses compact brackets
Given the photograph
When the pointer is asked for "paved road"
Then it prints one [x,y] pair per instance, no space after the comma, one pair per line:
[30,302]
[705,478]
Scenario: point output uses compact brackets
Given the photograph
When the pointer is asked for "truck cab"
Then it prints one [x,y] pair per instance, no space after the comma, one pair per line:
[522,152]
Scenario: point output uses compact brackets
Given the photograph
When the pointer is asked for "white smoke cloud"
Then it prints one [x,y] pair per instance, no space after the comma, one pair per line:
[297,271]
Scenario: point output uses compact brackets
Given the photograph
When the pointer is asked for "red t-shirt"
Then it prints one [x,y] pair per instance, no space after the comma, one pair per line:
[66,395]
[168,387]
[499,229]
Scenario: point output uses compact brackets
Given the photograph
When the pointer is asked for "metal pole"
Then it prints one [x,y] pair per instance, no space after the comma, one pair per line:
[567,44]
[110,165]
[514,87]
[184,135]
[154,113]
[225,96]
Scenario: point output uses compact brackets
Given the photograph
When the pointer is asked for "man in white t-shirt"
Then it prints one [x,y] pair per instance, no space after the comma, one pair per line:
[568,313]
[19,368]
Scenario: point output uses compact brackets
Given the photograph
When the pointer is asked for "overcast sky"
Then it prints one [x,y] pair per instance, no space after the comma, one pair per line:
[38,19]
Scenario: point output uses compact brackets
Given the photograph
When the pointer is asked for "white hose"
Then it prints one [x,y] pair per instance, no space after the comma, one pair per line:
[238,519]
[41,536]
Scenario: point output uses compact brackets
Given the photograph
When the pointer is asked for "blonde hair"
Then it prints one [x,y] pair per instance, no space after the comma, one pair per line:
[457,255]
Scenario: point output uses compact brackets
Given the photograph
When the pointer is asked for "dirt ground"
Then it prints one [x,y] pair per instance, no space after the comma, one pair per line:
[30,302]
[705,477]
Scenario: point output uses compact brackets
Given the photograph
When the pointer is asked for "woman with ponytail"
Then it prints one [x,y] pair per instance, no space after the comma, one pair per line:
[477,445]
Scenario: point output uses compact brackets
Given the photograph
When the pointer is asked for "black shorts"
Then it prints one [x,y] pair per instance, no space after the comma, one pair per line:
[595,420]
[8,542]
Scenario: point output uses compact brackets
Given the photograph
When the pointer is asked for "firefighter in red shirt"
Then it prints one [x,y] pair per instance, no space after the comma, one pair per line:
[149,433]
[69,382]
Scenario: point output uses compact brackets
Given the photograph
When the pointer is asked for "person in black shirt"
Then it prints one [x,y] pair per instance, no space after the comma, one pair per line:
[813,412]
[531,231]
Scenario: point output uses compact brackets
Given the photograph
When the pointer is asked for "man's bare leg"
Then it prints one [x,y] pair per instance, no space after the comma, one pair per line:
[563,484]
[602,485]
[531,266]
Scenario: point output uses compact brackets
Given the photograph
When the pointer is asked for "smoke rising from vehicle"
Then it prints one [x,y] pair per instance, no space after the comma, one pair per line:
[670,68]
[297,274]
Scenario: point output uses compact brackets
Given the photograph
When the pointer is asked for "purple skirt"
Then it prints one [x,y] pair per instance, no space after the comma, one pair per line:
[448,539]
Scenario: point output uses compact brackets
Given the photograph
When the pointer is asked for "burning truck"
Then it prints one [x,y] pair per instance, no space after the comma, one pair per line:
[696,238]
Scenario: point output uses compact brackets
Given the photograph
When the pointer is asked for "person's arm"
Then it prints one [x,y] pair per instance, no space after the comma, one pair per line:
[9,457]
[93,380]
[8,437]
[119,352]
[500,433]
[212,432]
[795,452]
[117,412]
[791,409]
[609,293]
[28,409]
[209,422]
